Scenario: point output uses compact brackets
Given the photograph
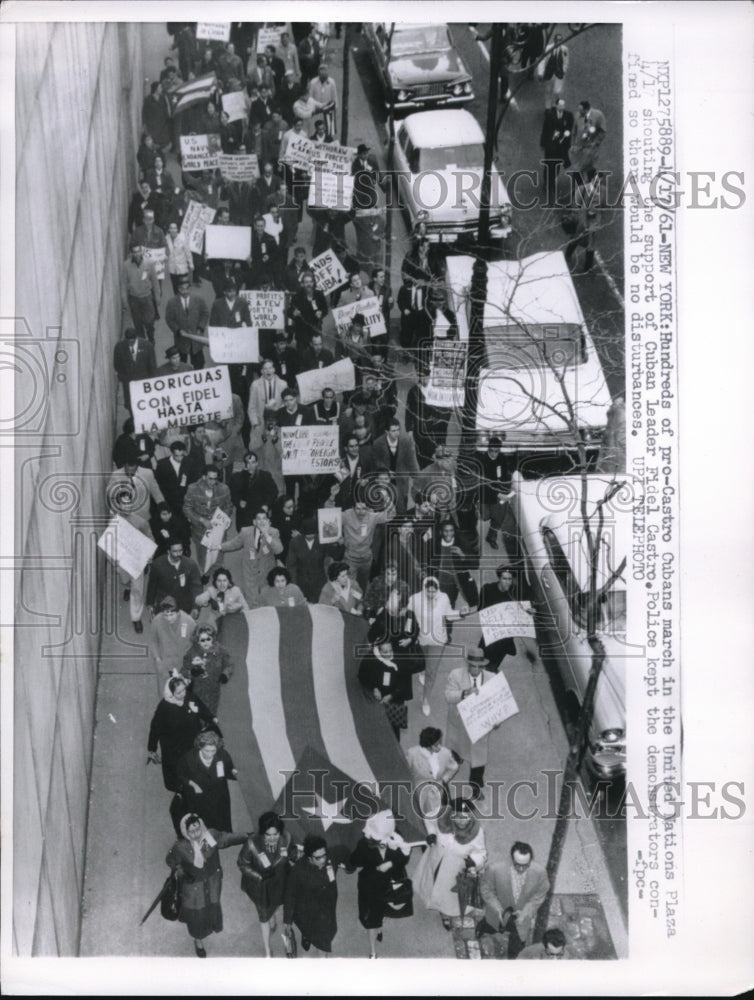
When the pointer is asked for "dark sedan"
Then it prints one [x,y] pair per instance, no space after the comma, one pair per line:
[418,65]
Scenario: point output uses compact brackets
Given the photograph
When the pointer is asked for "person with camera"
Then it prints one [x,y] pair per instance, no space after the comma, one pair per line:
[513,893]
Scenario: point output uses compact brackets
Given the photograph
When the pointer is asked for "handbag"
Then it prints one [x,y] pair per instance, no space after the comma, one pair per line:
[170,901]
[399,898]
[469,892]
[289,943]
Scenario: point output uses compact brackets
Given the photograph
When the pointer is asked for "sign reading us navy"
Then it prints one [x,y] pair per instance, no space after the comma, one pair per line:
[184,398]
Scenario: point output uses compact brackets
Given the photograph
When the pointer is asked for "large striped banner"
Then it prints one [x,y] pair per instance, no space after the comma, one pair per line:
[307,739]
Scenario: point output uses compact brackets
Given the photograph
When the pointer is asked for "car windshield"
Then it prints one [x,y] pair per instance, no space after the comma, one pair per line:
[419,40]
[514,346]
[452,156]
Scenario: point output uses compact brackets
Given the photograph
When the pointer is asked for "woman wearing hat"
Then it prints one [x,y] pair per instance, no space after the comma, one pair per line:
[170,639]
[177,721]
[388,681]
[458,845]
[206,666]
[467,682]
[280,592]
[204,773]
[432,610]
[196,857]
[381,856]
[265,861]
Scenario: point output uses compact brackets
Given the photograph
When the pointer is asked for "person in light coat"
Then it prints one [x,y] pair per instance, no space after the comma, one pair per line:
[467,682]
[432,765]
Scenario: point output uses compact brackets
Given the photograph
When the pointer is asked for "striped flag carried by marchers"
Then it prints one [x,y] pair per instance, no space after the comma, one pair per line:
[308,741]
[193,92]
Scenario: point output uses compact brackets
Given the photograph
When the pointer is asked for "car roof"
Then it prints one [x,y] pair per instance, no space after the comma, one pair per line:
[536,290]
[443,127]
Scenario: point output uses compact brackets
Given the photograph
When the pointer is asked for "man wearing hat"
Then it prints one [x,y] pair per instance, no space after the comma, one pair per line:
[285,359]
[369,221]
[173,363]
[467,682]
[306,560]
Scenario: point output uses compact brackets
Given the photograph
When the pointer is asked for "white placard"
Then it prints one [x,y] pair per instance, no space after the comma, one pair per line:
[243,167]
[328,271]
[213,31]
[328,190]
[480,713]
[234,105]
[234,345]
[330,524]
[332,158]
[184,398]
[310,450]
[228,242]
[200,152]
[505,620]
[267,309]
[126,546]
[158,256]
[195,221]
[340,377]
[369,308]
[298,152]
[269,36]
[213,537]
[447,374]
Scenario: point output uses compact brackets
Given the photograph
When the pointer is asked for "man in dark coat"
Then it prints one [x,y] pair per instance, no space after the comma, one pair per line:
[555,141]
[174,475]
[174,575]
[133,359]
[251,490]
[187,316]
[230,310]
[306,561]
[156,116]
[498,593]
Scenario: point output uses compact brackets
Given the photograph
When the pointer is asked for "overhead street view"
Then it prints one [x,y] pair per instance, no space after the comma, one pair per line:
[322,517]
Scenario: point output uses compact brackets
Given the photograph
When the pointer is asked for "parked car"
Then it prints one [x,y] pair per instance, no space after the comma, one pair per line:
[418,65]
[438,157]
[557,568]
[543,390]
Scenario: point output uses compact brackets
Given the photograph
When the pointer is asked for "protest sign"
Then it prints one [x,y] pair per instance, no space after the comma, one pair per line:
[298,152]
[328,190]
[447,374]
[126,546]
[482,712]
[234,105]
[213,31]
[332,158]
[505,620]
[269,36]
[228,242]
[213,536]
[200,152]
[330,524]
[369,309]
[195,221]
[239,166]
[158,256]
[267,309]
[328,272]
[340,377]
[180,399]
[234,345]
[310,450]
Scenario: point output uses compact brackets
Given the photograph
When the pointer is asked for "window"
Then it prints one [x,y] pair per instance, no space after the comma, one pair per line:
[577,600]
[469,156]
[427,39]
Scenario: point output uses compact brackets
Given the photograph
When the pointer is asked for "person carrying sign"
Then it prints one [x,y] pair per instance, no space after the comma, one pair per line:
[467,682]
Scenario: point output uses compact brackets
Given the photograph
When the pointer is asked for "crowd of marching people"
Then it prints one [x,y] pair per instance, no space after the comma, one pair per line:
[408,548]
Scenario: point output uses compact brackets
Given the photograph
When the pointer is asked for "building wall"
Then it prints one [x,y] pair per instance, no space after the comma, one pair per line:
[78,109]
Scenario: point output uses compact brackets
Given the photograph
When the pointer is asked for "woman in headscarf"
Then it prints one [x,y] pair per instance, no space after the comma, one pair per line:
[196,857]
[432,610]
[458,845]
[204,773]
[206,666]
[280,592]
[265,860]
[394,622]
[221,598]
[381,855]
[311,896]
[340,591]
[177,721]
